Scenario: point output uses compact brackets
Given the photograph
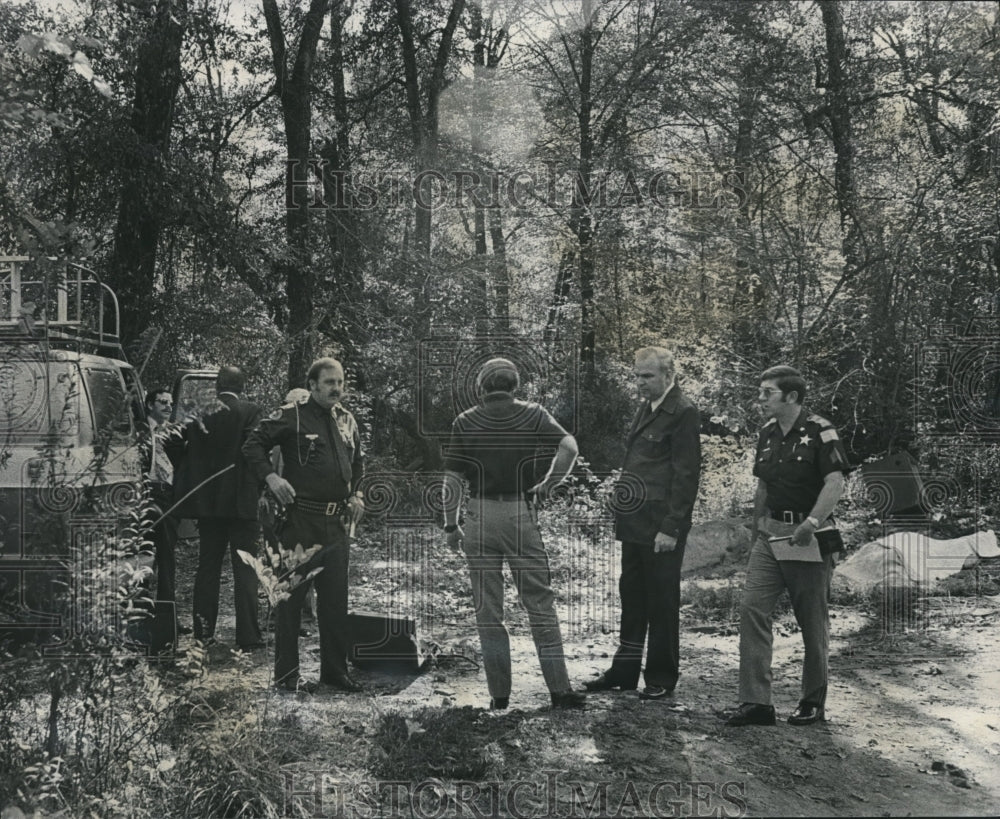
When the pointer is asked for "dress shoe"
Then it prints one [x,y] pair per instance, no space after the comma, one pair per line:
[184,629]
[569,699]
[602,683]
[807,714]
[297,685]
[499,703]
[344,682]
[252,646]
[752,713]
[655,692]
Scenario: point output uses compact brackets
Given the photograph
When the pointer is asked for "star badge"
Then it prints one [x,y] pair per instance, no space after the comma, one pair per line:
[805,440]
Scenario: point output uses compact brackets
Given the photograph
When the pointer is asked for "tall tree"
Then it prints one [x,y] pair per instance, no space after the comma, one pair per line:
[132,267]
[423,106]
[600,68]
[293,84]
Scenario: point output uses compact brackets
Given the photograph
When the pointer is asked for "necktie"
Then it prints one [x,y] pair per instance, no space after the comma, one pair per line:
[339,447]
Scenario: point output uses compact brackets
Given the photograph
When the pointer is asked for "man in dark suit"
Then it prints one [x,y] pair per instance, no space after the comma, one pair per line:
[220,491]
[654,499]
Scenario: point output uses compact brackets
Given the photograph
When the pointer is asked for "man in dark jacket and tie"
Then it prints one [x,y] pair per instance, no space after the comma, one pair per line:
[654,501]
[222,493]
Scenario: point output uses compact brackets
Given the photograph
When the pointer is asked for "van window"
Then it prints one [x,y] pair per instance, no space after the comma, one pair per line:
[38,397]
[107,397]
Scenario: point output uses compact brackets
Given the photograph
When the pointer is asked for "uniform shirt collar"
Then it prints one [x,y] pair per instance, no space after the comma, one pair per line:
[798,424]
[314,406]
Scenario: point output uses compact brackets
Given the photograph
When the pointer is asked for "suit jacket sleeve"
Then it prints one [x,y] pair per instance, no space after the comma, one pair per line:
[686,456]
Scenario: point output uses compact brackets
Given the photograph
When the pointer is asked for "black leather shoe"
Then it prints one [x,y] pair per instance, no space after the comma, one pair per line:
[655,692]
[499,703]
[569,699]
[297,685]
[752,713]
[807,714]
[253,646]
[184,629]
[602,683]
[344,682]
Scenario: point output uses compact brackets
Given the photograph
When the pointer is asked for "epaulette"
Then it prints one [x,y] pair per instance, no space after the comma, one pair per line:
[819,419]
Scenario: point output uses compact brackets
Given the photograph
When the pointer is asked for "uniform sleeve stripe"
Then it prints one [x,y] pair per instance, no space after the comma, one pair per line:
[827,435]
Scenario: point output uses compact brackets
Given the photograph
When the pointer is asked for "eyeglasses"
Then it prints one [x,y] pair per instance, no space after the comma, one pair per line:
[767,392]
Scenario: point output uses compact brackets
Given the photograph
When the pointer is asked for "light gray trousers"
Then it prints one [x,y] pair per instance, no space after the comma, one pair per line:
[808,587]
[498,531]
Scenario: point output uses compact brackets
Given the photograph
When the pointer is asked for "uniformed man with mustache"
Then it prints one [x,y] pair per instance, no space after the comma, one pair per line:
[323,466]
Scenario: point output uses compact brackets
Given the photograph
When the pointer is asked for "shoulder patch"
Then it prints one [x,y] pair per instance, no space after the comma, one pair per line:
[828,435]
[819,419]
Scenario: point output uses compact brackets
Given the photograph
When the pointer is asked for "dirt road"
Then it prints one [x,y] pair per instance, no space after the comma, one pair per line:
[914,729]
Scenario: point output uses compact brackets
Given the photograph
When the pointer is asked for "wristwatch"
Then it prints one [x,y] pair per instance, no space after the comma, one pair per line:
[451,527]
[813,521]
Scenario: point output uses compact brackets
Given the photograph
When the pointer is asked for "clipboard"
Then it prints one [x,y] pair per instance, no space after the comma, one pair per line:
[783,549]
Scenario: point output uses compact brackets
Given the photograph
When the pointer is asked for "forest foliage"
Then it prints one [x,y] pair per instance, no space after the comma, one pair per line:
[560,180]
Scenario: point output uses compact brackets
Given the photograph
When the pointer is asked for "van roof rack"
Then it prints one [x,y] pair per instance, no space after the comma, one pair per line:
[65,308]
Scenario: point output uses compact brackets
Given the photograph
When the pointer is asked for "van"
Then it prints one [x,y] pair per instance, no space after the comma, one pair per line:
[70,464]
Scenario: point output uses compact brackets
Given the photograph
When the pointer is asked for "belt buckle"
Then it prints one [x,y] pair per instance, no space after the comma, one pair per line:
[331,508]
[788,516]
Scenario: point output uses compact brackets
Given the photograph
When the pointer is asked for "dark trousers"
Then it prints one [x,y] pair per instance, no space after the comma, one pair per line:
[163,628]
[650,588]
[216,537]
[308,528]
[164,537]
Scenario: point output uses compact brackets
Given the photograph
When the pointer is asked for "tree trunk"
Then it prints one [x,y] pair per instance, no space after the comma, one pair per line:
[583,219]
[132,268]
[346,322]
[295,94]
[424,123]
[839,112]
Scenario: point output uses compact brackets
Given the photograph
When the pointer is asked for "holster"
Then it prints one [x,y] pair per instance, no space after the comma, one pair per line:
[830,542]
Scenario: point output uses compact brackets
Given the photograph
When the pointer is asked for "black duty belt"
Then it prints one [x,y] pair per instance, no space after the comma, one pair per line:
[318,508]
[788,516]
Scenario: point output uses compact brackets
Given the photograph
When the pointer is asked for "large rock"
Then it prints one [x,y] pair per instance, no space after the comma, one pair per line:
[911,560]
[712,543]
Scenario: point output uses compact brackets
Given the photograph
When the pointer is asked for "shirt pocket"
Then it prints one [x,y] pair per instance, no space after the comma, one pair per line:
[803,455]
[653,442]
